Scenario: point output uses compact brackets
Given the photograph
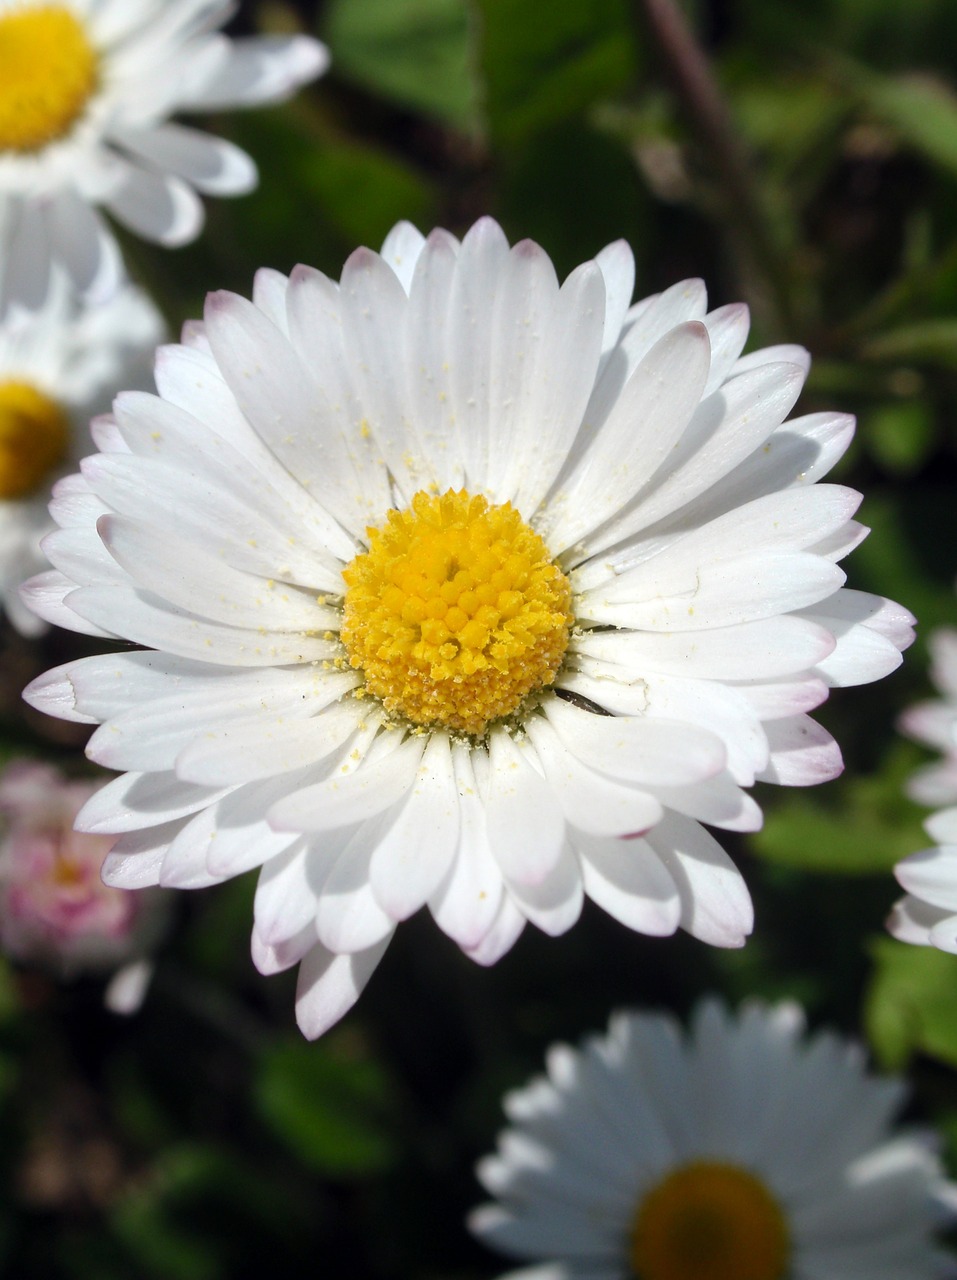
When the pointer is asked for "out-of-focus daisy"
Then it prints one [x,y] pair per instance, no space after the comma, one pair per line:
[746,1151]
[455,577]
[58,366]
[55,910]
[87,89]
[928,914]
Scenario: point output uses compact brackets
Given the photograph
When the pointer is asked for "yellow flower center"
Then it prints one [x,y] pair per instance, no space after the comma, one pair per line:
[48,71]
[34,434]
[456,612]
[709,1221]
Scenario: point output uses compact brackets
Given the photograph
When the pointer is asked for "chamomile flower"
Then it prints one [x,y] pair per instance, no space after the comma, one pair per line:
[87,89]
[58,365]
[746,1150]
[462,589]
[928,914]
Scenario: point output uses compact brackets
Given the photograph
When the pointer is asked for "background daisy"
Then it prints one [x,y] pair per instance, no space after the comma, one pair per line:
[87,90]
[454,578]
[59,365]
[928,914]
[746,1150]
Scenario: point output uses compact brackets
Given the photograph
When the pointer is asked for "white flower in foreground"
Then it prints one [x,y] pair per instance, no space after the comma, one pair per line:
[452,579]
[86,91]
[928,914]
[746,1151]
[58,366]
[55,910]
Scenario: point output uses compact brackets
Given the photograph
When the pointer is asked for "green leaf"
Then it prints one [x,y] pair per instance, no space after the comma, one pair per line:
[922,109]
[418,53]
[923,342]
[911,1006]
[542,67]
[900,436]
[328,1106]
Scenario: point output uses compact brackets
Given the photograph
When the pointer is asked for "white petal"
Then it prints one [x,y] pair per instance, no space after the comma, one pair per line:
[142,800]
[554,903]
[870,633]
[715,905]
[627,879]
[649,416]
[931,876]
[351,797]
[211,165]
[413,856]
[589,800]
[149,620]
[465,904]
[750,587]
[763,649]
[329,986]
[802,753]
[259,69]
[348,918]
[501,937]
[401,249]
[651,753]
[158,207]
[526,830]
[135,859]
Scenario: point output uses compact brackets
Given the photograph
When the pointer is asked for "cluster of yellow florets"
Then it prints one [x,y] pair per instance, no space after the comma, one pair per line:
[48,72]
[34,433]
[456,612]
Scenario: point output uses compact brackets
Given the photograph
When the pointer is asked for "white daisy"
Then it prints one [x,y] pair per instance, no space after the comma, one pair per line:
[453,578]
[59,365]
[748,1151]
[928,914]
[86,91]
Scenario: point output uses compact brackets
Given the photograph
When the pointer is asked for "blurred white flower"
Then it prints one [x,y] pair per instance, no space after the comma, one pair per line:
[59,366]
[746,1151]
[453,578]
[928,914]
[55,910]
[87,88]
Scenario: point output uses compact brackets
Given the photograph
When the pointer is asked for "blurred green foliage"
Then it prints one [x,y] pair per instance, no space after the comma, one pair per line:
[203,1140]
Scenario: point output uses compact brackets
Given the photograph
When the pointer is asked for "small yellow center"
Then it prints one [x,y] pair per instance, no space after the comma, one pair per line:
[34,434]
[456,612]
[48,71]
[709,1221]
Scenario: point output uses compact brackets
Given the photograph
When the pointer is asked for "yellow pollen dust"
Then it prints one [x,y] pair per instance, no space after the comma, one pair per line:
[709,1221]
[48,72]
[456,612]
[34,434]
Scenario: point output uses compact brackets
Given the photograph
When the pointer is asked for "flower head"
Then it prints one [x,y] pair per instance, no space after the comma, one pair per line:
[55,910]
[451,578]
[59,365]
[87,90]
[744,1151]
[928,914]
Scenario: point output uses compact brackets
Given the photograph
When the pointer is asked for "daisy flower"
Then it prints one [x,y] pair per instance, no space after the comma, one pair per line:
[452,578]
[87,88]
[928,914]
[747,1150]
[58,366]
[55,910]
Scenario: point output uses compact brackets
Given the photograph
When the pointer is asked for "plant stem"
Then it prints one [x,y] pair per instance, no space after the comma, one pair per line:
[695,84]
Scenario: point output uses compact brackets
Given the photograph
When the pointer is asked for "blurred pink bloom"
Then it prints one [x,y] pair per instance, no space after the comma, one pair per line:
[55,910]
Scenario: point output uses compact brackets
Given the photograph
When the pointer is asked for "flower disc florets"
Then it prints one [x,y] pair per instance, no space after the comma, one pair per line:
[456,612]
[48,71]
[34,435]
